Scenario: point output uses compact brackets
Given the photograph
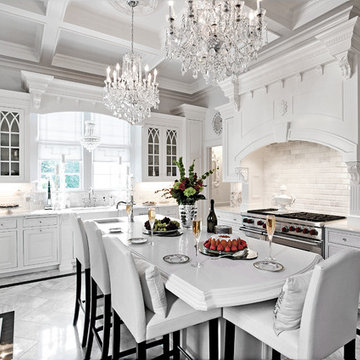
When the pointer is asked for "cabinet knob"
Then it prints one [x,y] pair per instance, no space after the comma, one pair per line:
[344,239]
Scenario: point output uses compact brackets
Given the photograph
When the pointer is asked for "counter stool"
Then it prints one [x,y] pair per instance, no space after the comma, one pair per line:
[328,320]
[128,305]
[99,281]
[82,262]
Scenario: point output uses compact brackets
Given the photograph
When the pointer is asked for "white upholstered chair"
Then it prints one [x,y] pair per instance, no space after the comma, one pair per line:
[328,320]
[100,280]
[128,304]
[82,257]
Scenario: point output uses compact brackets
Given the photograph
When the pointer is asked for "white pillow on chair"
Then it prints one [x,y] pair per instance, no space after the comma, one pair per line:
[152,286]
[290,303]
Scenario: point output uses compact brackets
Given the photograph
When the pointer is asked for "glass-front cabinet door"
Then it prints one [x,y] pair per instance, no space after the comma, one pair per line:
[10,149]
[162,149]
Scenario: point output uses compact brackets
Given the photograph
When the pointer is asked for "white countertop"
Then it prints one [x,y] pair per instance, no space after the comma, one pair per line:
[75,210]
[218,283]
[343,225]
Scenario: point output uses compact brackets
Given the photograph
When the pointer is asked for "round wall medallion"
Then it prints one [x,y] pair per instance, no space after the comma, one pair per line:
[217,124]
[144,7]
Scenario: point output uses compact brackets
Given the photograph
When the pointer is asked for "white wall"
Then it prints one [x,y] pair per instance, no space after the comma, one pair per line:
[315,174]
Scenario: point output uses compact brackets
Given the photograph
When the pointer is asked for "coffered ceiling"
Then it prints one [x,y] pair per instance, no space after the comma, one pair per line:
[77,39]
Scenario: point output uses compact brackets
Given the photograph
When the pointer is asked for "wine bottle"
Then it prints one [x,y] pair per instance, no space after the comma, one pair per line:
[211,219]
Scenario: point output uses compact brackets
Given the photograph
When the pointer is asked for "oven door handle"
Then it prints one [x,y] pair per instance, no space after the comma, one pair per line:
[255,231]
[294,239]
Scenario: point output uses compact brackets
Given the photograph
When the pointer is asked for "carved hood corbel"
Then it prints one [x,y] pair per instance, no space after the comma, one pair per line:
[354,171]
[342,42]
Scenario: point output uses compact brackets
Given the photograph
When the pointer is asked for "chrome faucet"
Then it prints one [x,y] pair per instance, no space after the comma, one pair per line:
[131,203]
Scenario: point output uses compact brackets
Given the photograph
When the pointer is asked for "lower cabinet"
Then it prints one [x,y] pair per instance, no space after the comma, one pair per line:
[336,240]
[9,250]
[40,246]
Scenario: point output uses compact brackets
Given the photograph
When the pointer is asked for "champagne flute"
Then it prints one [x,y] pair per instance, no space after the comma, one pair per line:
[196,226]
[128,210]
[270,229]
[151,216]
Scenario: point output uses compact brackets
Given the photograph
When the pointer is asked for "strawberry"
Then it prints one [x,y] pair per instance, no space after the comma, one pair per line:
[234,248]
[234,243]
[219,248]
[227,249]
[212,247]
[213,242]
[223,243]
[207,244]
[217,242]
[229,243]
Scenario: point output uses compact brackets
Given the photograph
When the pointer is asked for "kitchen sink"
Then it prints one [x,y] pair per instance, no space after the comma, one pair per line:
[108,221]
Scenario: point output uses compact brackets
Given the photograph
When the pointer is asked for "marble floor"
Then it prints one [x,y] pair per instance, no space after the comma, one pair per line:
[43,322]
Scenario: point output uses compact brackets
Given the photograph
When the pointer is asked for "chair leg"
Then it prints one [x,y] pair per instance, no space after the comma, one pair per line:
[213,339]
[78,292]
[176,344]
[276,355]
[107,326]
[141,351]
[166,347]
[349,350]
[116,335]
[87,307]
[93,297]
[229,340]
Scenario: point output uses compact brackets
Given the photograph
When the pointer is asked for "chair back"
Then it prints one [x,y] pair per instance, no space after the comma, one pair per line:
[81,245]
[126,293]
[99,269]
[330,311]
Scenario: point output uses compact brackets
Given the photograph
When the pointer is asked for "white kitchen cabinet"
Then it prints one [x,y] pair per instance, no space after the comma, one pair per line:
[9,250]
[40,246]
[161,144]
[12,168]
[229,218]
[336,240]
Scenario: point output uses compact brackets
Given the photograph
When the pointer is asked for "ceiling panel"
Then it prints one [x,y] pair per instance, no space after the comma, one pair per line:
[35,6]
[19,30]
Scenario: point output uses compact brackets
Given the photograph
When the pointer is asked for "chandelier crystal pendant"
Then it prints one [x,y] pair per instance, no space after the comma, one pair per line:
[129,93]
[217,38]
[90,141]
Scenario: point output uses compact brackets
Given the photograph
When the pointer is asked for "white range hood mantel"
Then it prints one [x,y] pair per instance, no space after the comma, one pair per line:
[310,92]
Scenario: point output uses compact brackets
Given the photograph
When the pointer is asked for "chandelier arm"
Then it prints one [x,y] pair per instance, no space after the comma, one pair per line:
[132,30]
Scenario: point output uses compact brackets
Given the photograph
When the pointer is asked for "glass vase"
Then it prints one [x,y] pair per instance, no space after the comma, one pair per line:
[187,213]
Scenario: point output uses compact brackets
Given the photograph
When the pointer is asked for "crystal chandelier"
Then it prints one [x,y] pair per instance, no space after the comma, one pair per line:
[90,141]
[129,93]
[217,38]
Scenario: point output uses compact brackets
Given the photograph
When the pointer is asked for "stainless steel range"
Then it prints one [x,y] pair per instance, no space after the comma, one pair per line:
[302,230]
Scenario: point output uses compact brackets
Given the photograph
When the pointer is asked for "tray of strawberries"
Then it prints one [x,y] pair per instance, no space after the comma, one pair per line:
[223,244]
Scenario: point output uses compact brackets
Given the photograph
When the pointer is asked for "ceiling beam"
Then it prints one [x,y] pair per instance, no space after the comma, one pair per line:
[55,12]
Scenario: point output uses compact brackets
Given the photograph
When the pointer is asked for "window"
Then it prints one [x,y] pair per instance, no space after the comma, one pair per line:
[59,140]
[111,160]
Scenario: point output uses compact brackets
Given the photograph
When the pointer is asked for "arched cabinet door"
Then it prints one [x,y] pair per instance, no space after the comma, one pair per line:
[11,145]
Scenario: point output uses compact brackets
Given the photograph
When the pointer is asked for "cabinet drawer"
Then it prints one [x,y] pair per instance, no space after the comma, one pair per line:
[228,216]
[40,221]
[344,239]
[8,224]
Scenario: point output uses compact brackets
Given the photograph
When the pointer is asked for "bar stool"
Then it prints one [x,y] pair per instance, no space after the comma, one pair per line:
[328,319]
[82,262]
[99,281]
[128,304]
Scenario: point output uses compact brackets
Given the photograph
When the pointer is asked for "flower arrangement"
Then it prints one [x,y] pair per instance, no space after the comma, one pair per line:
[186,191]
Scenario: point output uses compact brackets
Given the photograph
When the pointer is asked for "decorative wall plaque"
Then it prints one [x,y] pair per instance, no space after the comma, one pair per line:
[217,123]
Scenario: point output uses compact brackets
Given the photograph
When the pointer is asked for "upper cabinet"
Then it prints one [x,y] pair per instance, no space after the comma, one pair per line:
[10,156]
[161,146]
[14,164]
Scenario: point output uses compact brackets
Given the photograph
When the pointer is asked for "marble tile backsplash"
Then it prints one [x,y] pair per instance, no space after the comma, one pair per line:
[315,174]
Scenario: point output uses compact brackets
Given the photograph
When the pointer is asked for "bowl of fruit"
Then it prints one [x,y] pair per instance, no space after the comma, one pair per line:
[164,226]
[224,244]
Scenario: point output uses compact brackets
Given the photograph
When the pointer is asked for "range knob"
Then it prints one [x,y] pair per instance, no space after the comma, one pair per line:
[245,220]
[305,231]
[292,228]
[260,222]
[313,232]
[264,226]
[298,229]
[284,229]
[250,221]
